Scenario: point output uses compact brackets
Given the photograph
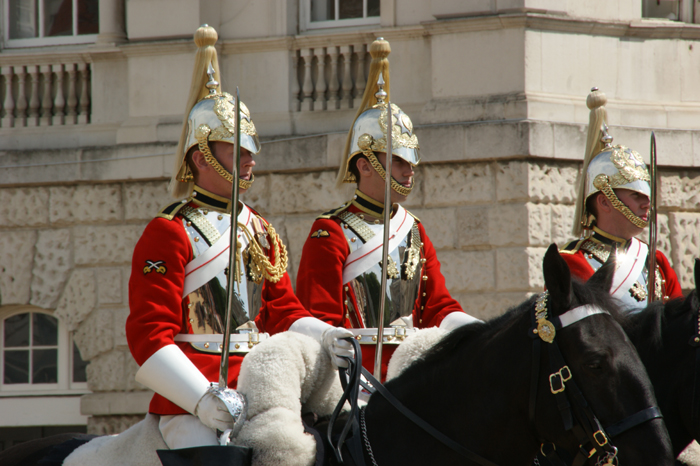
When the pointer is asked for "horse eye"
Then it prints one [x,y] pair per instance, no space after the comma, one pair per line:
[595,365]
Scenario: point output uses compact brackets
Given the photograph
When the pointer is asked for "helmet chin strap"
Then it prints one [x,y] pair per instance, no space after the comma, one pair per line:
[399,188]
[202,135]
[603,184]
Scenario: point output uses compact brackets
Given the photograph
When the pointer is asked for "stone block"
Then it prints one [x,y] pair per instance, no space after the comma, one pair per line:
[486,306]
[52,265]
[112,404]
[553,183]
[473,226]
[304,192]
[467,270]
[681,190]
[512,181]
[109,286]
[143,201]
[28,207]
[443,143]
[106,372]
[111,425]
[130,374]
[518,224]
[519,269]
[95,335]
[258,196]
[562,224]
[440,226]
[120,315]
[85,203]
[663,236]
[686,245]
[79,298]
[100,245]
[449,184]
[16,259]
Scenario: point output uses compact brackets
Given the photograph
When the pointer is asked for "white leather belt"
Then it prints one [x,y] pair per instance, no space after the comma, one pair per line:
[212,343]
[392,335]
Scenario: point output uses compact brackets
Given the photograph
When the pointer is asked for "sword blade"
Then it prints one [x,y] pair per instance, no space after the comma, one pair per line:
[232,299]
[651,276]
[385,246]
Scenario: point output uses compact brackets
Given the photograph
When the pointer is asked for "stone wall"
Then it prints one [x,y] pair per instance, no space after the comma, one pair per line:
[68,247]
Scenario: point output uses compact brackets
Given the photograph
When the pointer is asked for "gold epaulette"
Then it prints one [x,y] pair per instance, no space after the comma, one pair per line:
[572,247]
[334,212]
[414,217]
[170,211]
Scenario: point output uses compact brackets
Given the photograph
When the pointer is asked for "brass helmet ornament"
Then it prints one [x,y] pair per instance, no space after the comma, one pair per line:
[607,167]
[210,117]
[368,133]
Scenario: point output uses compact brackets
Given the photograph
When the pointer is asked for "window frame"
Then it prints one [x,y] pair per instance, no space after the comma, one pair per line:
[41,41]
[65,384]
[307,24]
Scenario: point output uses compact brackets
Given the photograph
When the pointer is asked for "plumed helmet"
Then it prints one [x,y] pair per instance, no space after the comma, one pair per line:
[210,116]
[607,167]
[369,129]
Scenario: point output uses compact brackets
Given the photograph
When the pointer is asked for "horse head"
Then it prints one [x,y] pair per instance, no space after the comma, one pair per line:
[603,367]
[667,337]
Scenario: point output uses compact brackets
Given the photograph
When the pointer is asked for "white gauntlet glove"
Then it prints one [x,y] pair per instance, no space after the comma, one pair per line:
[330,338]
[213,413]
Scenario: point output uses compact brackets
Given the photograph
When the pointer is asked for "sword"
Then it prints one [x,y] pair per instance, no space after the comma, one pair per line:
[651,276]
[385,246]
[232,299]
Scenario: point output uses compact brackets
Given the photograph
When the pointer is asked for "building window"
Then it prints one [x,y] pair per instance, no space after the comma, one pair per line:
[38,355]
[50,22]
[340,13]
[674,10]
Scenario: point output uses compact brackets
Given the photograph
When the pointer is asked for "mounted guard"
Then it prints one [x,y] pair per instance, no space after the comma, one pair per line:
[612,208]
[181,266]
[341,269]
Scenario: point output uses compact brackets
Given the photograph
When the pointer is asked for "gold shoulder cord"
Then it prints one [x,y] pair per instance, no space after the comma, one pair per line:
[259,265]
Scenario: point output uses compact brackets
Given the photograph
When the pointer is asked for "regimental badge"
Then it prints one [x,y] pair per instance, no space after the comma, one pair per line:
[158,266]
[320,234]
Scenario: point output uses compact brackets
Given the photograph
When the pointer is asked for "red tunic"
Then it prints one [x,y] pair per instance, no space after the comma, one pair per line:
[580,268]
[157,309]
[320,284]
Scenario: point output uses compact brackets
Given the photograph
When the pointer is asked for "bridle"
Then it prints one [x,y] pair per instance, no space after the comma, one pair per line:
[593,438]
[695,406]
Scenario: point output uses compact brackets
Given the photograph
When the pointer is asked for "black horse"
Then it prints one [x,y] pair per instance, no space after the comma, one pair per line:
[475,385]
[665,337]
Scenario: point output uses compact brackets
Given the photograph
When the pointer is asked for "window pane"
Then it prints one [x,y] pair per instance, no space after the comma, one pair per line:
[88,17]
[44,330]
[58,18]
[350,9]
[79,374]
[372,8]
[17,331]
[16,367]
[323,10]
[668,9]
[23,19]
[45,366]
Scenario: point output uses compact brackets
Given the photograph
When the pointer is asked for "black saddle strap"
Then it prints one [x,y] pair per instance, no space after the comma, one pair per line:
[444,439]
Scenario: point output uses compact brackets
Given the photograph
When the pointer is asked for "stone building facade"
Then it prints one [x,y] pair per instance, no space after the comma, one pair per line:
[496,91]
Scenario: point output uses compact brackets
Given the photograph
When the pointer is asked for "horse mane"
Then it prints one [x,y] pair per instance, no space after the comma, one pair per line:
[478,332]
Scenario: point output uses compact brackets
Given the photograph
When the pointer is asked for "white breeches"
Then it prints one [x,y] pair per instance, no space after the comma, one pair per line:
[184,431]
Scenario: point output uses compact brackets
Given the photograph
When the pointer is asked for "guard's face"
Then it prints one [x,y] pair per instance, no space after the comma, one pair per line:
[402,172]
[639,204]
[224,153]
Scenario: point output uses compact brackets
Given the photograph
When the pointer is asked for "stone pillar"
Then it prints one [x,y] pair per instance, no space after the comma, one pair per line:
[112,28]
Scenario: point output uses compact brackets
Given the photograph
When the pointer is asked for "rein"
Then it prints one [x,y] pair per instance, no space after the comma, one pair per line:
[695,406]
[593,438]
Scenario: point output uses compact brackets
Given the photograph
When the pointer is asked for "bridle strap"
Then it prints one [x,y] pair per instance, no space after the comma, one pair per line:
[444,439]
[695,405]
[634,420]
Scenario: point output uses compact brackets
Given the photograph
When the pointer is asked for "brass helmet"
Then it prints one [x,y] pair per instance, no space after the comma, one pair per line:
[607,167]
[368,133]
[210,117]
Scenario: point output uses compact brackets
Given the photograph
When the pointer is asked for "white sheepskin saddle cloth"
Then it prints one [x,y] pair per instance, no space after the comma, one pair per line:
[136,446]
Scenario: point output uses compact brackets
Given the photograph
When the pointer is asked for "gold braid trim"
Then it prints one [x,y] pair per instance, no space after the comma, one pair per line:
[259,265]
[202,135]
[602,182]
[403,190]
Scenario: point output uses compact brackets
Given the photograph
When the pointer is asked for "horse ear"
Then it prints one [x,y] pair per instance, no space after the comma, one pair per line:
[603,277]
[557,279]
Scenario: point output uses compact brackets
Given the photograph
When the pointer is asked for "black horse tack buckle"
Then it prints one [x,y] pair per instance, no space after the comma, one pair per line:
[556,380]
